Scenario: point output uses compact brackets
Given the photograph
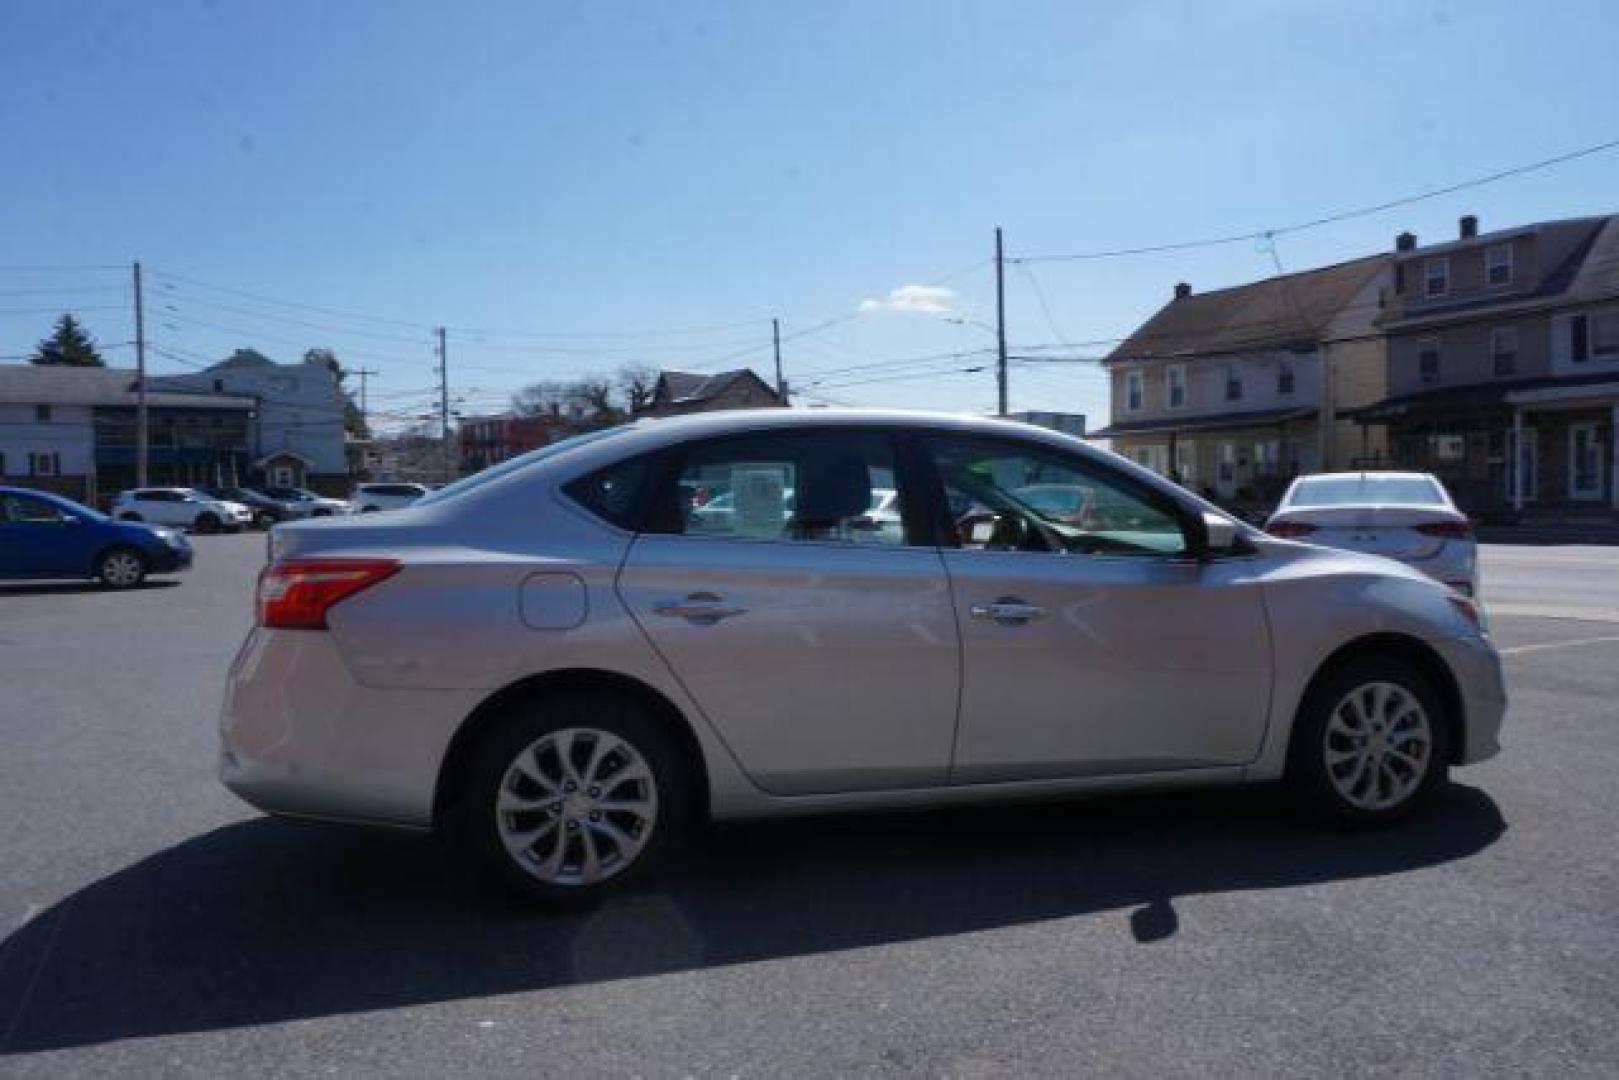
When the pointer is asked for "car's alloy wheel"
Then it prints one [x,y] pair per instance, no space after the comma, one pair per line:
[576,806]
[1378,745]
[1370,743]
[121,569]
[574,795]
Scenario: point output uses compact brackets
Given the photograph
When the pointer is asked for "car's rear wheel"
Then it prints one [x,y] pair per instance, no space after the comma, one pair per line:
[574,796]
[208,523]
[1371,743]
[121,568]
[129,515]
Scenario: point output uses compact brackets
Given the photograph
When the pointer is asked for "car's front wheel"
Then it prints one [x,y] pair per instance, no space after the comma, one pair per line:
[1371,743]
[121,568]
[574,796]
[208,523]
[264,519]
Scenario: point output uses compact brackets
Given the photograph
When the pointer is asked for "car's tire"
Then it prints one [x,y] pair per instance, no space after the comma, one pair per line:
[629,809]
[208,523]
[264,519]
[120,568]
[1371,743]
[369,509]
[129,515]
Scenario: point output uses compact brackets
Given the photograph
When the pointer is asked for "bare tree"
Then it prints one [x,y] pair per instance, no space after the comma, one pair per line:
[548,398]
[636,384]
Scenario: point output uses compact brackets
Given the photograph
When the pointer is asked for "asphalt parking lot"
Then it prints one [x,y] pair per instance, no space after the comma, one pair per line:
[154,925]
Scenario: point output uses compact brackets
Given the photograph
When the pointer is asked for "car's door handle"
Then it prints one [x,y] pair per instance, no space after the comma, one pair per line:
[1008,611]
[701,608]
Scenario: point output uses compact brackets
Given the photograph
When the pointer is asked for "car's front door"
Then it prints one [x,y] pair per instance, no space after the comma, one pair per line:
[818,640]
[1092,643]
[39,539]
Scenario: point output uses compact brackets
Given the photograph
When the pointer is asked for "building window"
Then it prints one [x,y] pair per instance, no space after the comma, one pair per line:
[1175,385]
[1185,462]
[1450,448]
[1605,335]
[1132,391]
[1436,275]
[1579,339]
[1284,377]
[1504,349]
[1233,382]
[219,386]
[1428,359]
[1498,264]
[42,414]
[44,464]
[1228,462]
[1584,462]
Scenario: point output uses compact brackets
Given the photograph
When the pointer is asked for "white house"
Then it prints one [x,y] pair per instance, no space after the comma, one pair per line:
[297,434]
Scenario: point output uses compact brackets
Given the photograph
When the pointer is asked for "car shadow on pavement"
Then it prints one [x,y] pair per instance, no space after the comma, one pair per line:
[68,588]
[268,921]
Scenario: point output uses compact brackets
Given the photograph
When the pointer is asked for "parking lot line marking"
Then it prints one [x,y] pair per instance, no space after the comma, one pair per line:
[1540,646]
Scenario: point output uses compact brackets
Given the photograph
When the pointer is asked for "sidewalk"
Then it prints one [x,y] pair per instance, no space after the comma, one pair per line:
[1590,533]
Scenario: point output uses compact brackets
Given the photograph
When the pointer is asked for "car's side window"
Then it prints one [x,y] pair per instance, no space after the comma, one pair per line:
[820,486]
[21,510]
[1003,496]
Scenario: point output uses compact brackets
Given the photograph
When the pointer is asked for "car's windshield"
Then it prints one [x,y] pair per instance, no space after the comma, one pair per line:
[1368,489]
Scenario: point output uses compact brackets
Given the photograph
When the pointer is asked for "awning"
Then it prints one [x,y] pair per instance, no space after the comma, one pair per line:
[1165,425]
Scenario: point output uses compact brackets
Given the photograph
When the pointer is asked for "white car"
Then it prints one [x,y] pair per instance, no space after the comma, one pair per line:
[185,507]
[1402,515]
[369,498]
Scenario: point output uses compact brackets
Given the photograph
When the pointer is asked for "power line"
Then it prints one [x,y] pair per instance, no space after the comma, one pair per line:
[1332,219]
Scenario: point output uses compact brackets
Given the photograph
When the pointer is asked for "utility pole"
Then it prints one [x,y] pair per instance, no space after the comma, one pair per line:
[141,440]
[775,340]
[1000,325]
[444,403]
[364,374]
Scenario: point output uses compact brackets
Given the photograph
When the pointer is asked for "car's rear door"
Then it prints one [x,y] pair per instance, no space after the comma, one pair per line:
[1092,647]
[820,645]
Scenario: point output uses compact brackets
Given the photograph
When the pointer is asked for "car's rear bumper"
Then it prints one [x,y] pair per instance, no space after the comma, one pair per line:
[1482,686]
[301,737]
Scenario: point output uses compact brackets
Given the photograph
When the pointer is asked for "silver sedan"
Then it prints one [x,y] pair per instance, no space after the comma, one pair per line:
[568,667]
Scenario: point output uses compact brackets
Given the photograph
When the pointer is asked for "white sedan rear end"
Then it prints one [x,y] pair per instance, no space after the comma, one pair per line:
[1404,516]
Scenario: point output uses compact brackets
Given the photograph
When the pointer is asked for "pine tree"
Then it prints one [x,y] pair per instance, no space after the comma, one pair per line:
[68,346]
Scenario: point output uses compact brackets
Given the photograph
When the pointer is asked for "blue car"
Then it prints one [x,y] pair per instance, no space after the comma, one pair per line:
[47,536]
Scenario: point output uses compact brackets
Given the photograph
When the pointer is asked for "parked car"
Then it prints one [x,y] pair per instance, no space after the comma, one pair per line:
[187,508]
[47,536]
[546,661]
[1405,516]
[369,498]
[310,504]
[266,511]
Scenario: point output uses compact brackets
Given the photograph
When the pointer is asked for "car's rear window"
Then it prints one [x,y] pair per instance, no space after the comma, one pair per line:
[1369,489]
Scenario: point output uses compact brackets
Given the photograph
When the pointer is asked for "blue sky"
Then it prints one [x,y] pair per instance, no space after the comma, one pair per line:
[615,169]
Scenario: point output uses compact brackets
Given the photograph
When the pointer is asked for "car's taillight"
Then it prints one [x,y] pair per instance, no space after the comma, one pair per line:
[295,594]
[1289,530]
[1447,530]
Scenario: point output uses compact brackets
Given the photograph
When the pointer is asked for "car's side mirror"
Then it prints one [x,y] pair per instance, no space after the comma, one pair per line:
[1219,533]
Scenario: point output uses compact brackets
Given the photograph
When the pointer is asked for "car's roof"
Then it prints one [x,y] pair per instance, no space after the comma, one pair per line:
[1388,473]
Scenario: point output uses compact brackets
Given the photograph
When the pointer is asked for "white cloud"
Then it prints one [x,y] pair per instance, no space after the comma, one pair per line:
[924,299]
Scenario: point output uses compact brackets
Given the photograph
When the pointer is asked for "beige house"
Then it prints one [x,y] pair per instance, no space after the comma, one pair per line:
[1226,391]
[1504,367]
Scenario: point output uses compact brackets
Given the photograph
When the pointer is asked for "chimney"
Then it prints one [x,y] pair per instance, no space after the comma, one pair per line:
[1406,241]
[1182,291]
[1468,226]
